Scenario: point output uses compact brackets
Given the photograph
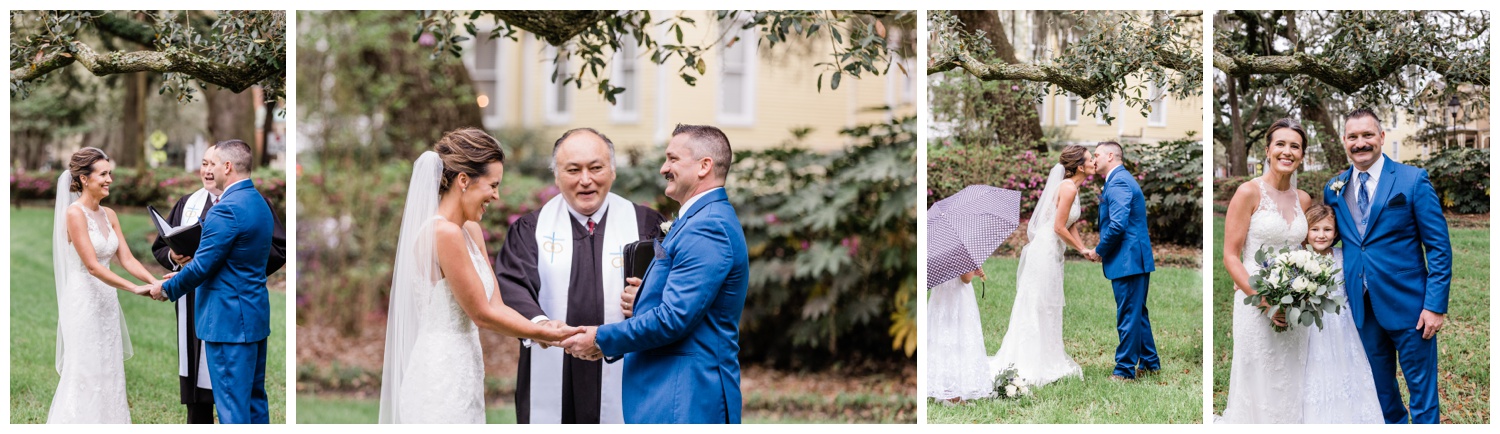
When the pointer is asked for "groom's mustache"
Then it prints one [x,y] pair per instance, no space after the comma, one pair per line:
[1365,148]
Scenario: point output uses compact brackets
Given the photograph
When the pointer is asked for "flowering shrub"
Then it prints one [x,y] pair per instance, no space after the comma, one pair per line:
[1169,173]
[1461,177]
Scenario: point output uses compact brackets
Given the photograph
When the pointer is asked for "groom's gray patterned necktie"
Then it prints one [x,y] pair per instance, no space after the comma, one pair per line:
[1363,202]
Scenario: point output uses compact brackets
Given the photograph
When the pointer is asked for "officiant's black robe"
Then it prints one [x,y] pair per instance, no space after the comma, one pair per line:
[520,283]
[200,402]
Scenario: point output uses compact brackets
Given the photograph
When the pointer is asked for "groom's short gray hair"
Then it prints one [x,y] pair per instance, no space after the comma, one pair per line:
[1362,112]
[558,144]
[1112,146]
[237,152]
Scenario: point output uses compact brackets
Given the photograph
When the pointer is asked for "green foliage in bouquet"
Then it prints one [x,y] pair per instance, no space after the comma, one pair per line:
[1008,385]
[1298,283]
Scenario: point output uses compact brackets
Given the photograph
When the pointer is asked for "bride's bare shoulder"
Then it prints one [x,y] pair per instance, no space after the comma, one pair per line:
[1248,188]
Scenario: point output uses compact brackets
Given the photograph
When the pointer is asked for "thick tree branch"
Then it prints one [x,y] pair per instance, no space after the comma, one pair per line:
[234,78]
[1078,85]
[1348,80]
[555,27]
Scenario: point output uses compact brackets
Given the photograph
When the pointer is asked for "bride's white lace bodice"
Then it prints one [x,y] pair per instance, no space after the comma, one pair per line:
[102,235]
[444,379]
[92,384]
[1271,227]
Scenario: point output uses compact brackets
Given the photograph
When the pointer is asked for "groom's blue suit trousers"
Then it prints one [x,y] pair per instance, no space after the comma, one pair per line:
[1417,358]
[1137,348]
[239,380]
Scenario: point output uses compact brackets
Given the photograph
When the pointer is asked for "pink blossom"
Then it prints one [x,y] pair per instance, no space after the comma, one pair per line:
[426,40]
[805,245]
[771,218]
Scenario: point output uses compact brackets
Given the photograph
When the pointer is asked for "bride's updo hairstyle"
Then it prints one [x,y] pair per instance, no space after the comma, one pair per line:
[81,165]
[1319,211]
[1288,123]
[1072,158]
[468,151]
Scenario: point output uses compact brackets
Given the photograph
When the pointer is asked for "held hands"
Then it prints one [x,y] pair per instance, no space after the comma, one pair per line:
[627,296]
[1091,255]
[583,346]
[553,327]
[1430,322]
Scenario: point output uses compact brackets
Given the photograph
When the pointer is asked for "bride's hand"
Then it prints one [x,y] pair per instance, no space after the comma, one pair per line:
[555,334]
[1279,319]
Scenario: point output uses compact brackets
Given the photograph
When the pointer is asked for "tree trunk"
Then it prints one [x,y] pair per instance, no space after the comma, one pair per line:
[1238,152]
[267,128]
[1317,117]
[131,150]
[230,115]
[1016,120]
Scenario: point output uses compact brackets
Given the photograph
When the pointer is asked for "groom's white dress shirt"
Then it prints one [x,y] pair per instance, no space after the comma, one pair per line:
[689,203]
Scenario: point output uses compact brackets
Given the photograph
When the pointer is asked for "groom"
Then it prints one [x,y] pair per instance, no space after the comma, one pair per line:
[1399,297]
[1125,247]
[228,273]
[682,345]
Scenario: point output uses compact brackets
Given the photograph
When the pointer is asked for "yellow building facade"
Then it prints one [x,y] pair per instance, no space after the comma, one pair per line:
[1456,121]
[757,95]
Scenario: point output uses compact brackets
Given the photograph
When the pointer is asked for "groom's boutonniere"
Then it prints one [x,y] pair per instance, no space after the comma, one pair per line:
[1338,184]
[665,227]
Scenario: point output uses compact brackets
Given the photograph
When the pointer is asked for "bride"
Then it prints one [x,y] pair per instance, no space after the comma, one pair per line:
[1033,340]
[444,286]
[1266,370]
[92,342]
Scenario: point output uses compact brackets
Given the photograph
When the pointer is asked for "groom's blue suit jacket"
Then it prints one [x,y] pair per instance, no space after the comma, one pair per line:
[1405,219]
[1124,241]
[229,269]
[682,345]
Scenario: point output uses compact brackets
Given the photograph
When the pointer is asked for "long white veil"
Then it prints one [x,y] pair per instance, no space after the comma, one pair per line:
[1042,218]
[415,275]
[62,263]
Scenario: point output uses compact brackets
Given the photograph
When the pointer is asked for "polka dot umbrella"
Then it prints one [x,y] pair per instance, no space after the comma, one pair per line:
[964,229]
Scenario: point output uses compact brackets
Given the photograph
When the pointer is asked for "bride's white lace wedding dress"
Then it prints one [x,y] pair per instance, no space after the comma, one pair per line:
[1266,373]
[1338,385]
[444,378]
[955,337]
[1033,341]
[92,364]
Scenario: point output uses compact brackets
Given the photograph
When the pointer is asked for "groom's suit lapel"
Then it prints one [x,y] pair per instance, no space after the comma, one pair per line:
[1382,194]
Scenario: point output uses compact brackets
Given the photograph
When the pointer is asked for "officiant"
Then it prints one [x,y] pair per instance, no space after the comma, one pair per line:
[192,364]
[563,264]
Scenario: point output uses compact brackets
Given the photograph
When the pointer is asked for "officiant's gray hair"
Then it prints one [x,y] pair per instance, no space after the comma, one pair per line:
[553,164]
[711,142]
[236,152]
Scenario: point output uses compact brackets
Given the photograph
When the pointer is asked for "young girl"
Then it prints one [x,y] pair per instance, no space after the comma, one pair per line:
[958,369]
[1337,384]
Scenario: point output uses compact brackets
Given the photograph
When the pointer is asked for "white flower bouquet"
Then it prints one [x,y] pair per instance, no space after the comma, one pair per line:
[1297,283]
[1008,385]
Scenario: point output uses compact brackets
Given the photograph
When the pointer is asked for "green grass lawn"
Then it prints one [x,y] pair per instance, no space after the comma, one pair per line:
[151,375]
[1089,335]
[1463,348]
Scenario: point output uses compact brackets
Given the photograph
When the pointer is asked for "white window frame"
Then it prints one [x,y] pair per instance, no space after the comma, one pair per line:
[1158,105]
[748,41]
[1074,106]
[626,56]
[550,114]
[495,74]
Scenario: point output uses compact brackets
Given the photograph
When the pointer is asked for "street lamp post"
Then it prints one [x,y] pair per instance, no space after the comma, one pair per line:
[1453,106]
